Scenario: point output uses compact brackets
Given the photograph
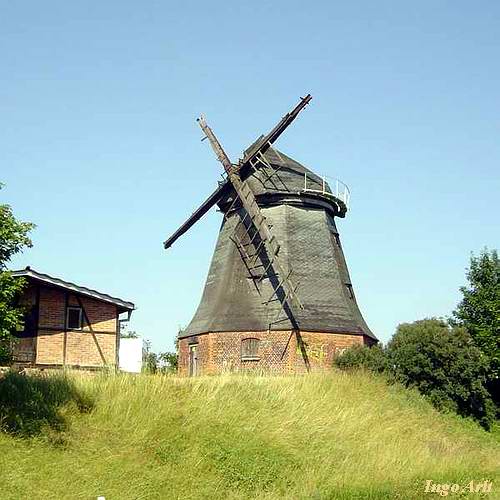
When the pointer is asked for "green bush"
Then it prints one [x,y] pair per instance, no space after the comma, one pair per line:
[444,365]
[361,356]
[5,351]
[438,360]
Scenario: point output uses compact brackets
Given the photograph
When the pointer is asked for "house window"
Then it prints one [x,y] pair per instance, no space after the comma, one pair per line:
[250,349]
[74,318]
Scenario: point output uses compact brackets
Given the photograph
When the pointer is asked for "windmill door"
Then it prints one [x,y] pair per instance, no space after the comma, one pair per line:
[193,360]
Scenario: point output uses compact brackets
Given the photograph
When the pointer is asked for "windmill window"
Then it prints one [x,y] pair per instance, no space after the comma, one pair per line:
[74,318]
[250,350]
[350,290]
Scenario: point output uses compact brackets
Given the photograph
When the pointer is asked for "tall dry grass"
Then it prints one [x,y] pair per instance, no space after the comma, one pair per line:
[333,435]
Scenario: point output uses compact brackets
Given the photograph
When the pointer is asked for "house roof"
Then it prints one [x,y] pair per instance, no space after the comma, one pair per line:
[67,285]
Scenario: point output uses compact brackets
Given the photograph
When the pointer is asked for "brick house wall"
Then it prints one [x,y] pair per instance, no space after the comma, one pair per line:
[56,345]
[279,351]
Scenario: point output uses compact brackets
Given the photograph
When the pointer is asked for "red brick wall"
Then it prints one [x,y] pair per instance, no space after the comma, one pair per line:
[321,348]
[279,351]
[204,354]
[183,357]
[75,347]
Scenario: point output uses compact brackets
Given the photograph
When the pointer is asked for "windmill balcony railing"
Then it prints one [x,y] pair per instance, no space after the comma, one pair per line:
[327,186]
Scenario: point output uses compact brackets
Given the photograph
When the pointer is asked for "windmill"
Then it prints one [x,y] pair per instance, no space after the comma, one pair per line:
[252,313]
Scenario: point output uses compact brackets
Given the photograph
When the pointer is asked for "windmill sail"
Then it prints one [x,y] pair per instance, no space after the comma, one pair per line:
[258,237]
[248,161]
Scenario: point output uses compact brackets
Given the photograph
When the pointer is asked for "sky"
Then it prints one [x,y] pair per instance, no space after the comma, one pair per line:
[99,144]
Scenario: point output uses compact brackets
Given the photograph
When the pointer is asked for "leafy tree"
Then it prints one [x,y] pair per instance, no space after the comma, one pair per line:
[479,311]
[149,358]
[168,361]
[13,239]
[163,362]
[444,365]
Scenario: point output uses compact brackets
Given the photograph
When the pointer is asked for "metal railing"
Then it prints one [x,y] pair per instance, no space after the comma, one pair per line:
[327,186]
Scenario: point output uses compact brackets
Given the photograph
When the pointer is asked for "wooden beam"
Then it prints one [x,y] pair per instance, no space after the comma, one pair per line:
[80,303]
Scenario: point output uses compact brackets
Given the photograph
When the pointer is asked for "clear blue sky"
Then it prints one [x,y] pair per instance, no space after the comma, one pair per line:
[100,148]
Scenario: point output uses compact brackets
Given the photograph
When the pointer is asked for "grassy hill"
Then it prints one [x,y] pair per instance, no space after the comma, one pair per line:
[318,436]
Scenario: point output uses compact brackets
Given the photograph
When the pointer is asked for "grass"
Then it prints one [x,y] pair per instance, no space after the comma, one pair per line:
[334,436]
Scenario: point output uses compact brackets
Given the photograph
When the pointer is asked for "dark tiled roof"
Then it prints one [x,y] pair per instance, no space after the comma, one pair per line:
[289,175]
[67,285]
[282,177]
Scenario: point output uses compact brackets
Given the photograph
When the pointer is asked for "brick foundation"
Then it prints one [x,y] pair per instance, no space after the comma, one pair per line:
[279,351]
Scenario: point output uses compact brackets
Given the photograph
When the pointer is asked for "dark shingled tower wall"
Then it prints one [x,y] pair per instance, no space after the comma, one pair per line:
[231,308]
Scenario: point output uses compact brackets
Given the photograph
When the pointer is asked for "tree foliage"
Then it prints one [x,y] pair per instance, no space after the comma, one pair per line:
[168,361]
[444,365]
[163,362]
[440,361]
[149,358]
[479,309]
[13,239]
[13,235]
